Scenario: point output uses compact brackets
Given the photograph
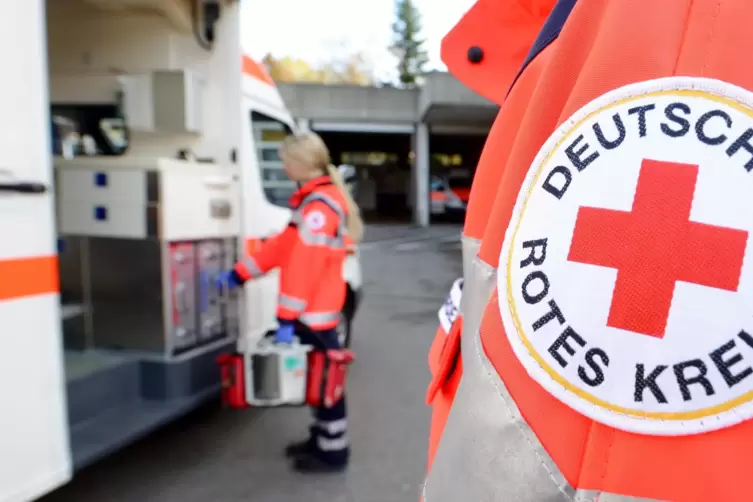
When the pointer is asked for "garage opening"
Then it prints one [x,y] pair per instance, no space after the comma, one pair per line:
[382,162]
[452,168]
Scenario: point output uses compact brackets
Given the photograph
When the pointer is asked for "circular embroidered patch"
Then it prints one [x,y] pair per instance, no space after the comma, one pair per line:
[315,220]
[624,284]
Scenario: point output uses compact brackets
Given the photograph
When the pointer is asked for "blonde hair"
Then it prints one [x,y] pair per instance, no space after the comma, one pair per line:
[310,149]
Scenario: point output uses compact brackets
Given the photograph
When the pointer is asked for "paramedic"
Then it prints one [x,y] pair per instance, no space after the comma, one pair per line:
[310,254]
[606,257]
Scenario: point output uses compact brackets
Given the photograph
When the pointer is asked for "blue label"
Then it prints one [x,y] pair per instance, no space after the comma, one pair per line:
[100,213]
[100,179]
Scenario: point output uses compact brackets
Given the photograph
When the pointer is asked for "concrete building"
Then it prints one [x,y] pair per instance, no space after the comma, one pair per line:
[443,119]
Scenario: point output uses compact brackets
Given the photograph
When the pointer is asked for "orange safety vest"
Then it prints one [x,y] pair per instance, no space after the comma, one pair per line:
[310,253]
[606,350]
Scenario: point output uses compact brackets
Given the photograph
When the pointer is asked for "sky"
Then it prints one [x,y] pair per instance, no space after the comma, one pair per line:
[317,30]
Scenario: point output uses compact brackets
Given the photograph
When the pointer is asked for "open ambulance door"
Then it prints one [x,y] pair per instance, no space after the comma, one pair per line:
[34,452]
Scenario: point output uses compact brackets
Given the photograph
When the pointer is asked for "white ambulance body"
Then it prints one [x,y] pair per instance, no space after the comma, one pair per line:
[164,169]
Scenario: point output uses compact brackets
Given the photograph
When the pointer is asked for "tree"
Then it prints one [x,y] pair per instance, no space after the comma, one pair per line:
[289,69]
[351,69]
[407,44]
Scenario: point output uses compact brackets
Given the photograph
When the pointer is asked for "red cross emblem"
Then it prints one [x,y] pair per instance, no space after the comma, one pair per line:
[655,245]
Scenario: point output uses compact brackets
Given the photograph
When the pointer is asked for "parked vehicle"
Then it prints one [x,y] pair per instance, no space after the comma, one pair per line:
[449,195]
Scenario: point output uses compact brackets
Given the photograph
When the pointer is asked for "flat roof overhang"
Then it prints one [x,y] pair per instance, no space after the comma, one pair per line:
[444,100]
[351,103]
[460,115]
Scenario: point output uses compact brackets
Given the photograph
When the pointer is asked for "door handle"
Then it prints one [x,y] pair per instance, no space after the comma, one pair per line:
[26,187]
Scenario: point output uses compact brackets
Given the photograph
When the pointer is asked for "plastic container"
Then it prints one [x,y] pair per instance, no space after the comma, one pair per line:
[276,374]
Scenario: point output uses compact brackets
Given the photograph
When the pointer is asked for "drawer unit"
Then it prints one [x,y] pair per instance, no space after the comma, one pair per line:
[169,199]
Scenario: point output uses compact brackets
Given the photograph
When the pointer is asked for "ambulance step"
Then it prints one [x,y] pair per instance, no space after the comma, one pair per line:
[99,383]
[119,427]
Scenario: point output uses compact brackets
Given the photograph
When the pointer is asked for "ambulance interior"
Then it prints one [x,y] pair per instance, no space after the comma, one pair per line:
[145,125]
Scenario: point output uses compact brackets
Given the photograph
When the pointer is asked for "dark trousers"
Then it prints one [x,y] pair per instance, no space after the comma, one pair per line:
[329,432]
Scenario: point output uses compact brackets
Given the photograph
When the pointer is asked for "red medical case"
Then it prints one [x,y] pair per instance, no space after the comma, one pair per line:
[327,371]
[233,385]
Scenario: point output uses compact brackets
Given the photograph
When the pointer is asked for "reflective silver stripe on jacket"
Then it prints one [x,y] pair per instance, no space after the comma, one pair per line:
[292,303]
[487,451]
[317,318]
[338,241]
[316,239]
[324,198]
[252,266]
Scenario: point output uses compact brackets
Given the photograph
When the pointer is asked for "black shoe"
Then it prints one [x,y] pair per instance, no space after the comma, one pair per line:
[302,447]
[299,448]
[312,464]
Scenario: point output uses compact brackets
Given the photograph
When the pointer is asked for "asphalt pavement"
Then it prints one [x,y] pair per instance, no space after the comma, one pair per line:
[219,455]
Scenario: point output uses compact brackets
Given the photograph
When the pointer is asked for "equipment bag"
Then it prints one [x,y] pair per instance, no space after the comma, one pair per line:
[326,376]
[233,385]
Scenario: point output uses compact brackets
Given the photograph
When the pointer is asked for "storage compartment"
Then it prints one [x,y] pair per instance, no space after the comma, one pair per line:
[168,199]
[183,291]
[163,101]
[199,201]
[145,295]
[211,299]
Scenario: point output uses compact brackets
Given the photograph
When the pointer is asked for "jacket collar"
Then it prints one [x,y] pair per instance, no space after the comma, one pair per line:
[504,30]
[307,188]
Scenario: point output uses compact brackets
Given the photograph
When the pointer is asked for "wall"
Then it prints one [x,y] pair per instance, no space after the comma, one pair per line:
[351,102]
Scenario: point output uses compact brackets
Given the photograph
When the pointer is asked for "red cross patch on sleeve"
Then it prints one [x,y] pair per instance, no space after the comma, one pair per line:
[624,285]
[315,220]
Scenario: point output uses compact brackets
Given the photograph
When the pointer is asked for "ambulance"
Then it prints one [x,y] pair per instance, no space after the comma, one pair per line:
[138,159]
[449,194]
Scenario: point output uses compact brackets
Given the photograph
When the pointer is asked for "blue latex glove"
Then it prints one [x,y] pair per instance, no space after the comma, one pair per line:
[285,333]
[228,280]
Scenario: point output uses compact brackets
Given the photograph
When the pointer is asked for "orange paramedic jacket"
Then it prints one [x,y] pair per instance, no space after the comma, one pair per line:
[310,254]
[543,61]
[444,364]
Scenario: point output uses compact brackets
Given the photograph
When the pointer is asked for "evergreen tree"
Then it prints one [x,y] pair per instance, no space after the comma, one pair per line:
[406,42]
